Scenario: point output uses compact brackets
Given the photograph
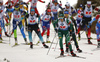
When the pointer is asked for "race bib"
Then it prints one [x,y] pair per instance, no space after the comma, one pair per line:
[79,16]
[88,13]
[62,27]
[46,18]
[32,21]
[16,16]
[54,10]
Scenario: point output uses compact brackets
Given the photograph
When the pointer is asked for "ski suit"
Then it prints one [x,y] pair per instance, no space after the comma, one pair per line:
[64,29]
[33,25]
[34,4]
[46,20]
[97,26]
[17,20]
[86,19]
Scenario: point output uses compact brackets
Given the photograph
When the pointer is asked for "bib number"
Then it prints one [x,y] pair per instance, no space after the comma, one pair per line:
[88,13]
[46,18]
[32,21]
[63,27]
[79,16]
[54,10]
[17,16]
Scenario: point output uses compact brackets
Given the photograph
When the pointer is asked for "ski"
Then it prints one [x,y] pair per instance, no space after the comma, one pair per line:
[96,49]
[84,52]
[61,56]
[29,44]
[15,45]
[91,38]
[77,56]
[25,44]
[91,44]
[3,43]
[36,44]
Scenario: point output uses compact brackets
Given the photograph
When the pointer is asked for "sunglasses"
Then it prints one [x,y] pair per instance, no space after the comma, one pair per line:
[88,4]
[60,17]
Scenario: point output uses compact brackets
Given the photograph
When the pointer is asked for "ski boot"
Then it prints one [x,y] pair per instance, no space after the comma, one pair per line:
[1,40]
[62,52]
[45,46]
[89,42]
[16,43]
[38,42]
[73,54]
[79,50]
[31,45]
[79,36]
[47,41]
[67,49]
[98,46]
[26,42]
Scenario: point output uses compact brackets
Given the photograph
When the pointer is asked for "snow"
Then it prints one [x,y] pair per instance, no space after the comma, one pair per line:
[22,53]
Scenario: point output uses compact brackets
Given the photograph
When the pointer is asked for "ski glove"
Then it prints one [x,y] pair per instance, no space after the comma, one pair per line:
[56,30]
[26,27]
[7,34]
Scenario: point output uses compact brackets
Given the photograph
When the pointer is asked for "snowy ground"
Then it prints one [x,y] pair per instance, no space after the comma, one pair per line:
[22,53]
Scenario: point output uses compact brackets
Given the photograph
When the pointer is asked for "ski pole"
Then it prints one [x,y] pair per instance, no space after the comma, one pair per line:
[51,44]
[56,45]
[9,32]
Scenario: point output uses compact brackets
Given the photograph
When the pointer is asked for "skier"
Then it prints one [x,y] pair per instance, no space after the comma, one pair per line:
[54,10]
[17,20]
[79,18]
[51,3]
[63,28]
[72,33]
[97,28]
[46,20]
[69,8]
[2,24]
[34,4]
[87,15]
[9,6]
[33,25]
[24,9]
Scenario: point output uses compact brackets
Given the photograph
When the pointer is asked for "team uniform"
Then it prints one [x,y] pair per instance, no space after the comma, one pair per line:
[2,25]
[24,9]
[79,19]
[97,28]
[63,29]
[86,19]
[17,20]
[70,9]
[34,4]
[54,10]
[46,20]
[33,25]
